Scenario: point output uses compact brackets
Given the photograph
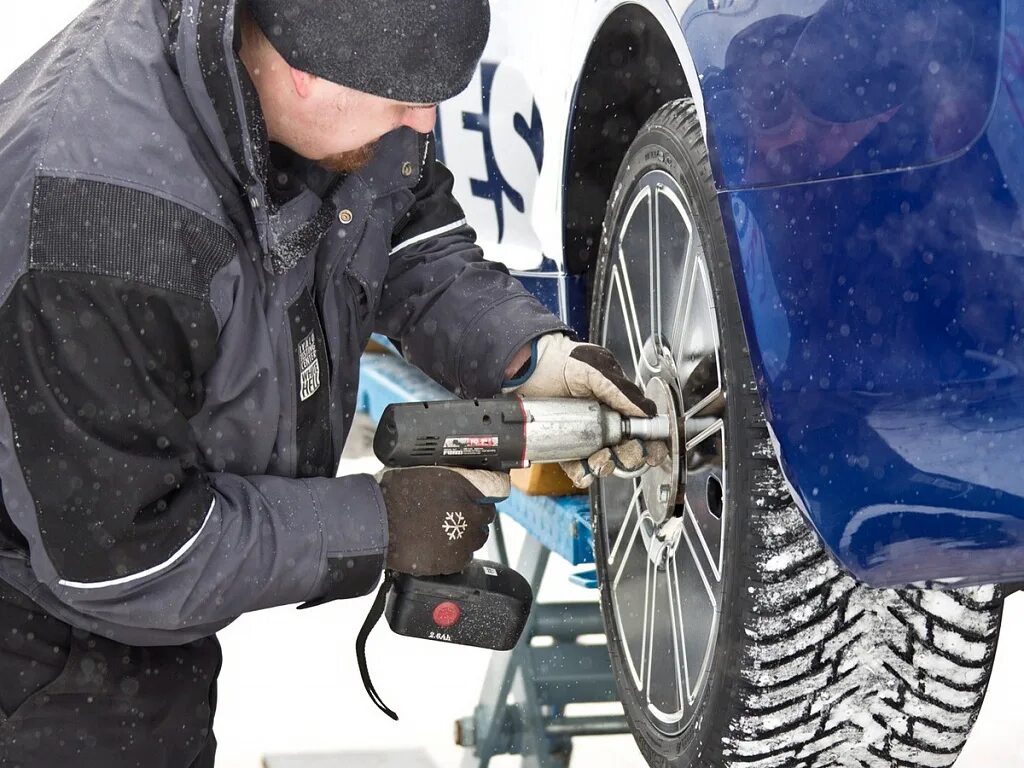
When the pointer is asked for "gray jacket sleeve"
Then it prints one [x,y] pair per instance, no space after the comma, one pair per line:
[459,318]
[99,378]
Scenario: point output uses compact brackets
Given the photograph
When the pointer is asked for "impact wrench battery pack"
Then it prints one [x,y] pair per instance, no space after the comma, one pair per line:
[485,606]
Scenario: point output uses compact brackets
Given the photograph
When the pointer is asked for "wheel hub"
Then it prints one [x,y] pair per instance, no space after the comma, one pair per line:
[663,485]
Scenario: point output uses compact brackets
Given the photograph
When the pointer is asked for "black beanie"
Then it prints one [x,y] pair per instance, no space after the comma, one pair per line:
[421,51]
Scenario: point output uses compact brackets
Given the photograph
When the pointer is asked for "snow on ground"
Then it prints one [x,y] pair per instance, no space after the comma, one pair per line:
[290,682]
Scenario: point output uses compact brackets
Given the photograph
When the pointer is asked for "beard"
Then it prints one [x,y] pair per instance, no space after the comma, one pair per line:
[350,162]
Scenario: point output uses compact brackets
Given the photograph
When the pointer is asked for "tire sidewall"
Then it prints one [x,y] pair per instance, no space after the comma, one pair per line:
[660,147]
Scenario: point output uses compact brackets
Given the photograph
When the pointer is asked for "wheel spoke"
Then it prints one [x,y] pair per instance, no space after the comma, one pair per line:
[703,389]
[664,692]
[629,600]
[675,256]
[696,352]
[616,497]
[650,603]
[706,489]
[617,334]
[634,547]
[634,507]
[632,326]
[635,252]
[678,629]
[704,565]
[655,273]
[697,602]
[637,258]
[684,305]
[708,427]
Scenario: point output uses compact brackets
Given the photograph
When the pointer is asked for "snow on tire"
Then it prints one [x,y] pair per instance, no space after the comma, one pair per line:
[839,674]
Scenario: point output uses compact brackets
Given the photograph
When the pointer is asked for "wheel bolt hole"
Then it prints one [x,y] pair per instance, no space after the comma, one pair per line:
[715,497]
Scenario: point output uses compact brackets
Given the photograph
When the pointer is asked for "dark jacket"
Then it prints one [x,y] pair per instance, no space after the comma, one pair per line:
[179,343]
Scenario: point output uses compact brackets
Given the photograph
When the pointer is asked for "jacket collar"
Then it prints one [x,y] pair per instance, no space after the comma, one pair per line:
[203,42]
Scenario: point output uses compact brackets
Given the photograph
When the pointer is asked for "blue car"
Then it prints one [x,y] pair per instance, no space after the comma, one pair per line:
[797,224]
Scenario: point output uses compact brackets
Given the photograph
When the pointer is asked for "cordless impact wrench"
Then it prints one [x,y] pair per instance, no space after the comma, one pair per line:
[487,605]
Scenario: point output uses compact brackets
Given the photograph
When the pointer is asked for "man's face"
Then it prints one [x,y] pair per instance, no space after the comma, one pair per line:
[345,125]
[334,125]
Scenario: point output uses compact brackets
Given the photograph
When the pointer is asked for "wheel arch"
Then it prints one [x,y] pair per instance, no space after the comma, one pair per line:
[640,62]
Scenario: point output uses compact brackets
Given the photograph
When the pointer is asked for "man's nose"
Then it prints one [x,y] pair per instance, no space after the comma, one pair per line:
[421,119]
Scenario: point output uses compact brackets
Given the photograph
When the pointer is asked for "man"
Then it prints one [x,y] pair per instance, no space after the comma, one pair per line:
[207,210]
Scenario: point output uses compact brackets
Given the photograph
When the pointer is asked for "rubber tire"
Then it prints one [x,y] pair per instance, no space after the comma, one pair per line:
[810,668]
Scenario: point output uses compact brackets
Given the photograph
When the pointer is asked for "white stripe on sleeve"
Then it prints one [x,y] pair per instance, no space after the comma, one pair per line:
[149,571]
[427,235]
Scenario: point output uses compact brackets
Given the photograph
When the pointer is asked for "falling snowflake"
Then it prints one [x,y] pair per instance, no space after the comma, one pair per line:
[454,525]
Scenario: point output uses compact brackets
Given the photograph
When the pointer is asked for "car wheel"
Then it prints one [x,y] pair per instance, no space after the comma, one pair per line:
[735,638]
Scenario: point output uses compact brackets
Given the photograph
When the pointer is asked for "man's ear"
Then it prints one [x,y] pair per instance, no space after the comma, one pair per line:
[303,82]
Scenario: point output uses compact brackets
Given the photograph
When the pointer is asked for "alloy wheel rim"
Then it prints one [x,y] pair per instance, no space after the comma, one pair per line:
[664,533]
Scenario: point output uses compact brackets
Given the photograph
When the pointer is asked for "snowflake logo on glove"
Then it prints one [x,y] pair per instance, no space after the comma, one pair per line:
[454,525]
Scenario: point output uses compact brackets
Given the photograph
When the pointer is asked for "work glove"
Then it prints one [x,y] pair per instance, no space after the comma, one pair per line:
[438,516]
[562,367]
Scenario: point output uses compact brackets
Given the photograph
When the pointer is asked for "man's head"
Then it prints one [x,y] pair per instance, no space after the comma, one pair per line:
[334,76]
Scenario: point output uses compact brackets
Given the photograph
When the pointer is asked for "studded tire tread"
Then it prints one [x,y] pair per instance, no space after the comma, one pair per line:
[856,676]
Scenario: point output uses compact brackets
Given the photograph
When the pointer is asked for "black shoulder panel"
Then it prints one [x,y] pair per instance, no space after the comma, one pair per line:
[104,229]
[100,377]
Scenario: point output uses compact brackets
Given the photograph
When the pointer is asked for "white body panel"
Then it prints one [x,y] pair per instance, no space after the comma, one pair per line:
[537,51]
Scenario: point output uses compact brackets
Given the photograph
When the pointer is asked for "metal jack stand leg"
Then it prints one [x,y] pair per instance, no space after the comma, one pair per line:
[521,709]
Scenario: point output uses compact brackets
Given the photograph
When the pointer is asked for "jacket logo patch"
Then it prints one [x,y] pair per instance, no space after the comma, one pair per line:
[309,366]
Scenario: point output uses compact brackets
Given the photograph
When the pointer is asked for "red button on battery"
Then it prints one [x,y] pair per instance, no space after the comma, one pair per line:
[446,614]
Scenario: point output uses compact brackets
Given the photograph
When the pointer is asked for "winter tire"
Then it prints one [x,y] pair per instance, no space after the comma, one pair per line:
[735,638]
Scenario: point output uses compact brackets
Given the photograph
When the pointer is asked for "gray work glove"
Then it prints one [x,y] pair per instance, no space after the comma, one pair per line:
[438,516]
[565,368]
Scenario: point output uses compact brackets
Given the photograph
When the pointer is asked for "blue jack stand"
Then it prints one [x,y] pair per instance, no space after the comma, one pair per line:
[526,691]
